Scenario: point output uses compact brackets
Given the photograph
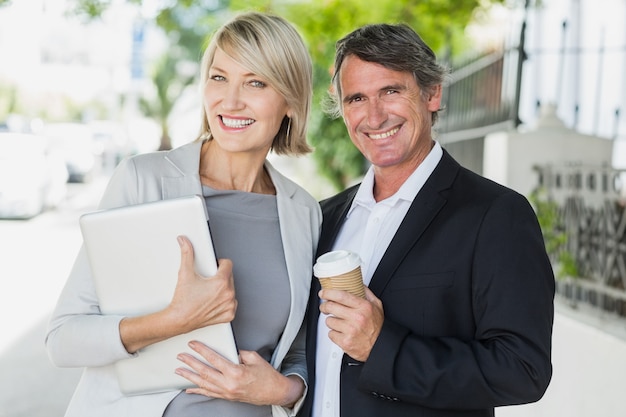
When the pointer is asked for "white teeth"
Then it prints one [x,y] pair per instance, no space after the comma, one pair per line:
[385,135]
[236,122]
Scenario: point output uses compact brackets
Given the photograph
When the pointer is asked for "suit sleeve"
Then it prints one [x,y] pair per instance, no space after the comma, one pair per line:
[505,359]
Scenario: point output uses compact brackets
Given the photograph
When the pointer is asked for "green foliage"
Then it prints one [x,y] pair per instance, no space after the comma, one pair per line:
[554,236]
[169,84]
[322,22]
[188,23]
[89,9]
[8,100]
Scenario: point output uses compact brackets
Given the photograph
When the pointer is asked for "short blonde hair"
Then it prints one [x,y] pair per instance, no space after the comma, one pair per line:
[270,47]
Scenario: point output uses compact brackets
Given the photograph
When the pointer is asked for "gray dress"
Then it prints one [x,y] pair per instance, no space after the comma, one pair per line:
[245,229]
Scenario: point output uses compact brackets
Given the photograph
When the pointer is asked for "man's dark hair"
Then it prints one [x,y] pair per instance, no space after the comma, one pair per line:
[396,47]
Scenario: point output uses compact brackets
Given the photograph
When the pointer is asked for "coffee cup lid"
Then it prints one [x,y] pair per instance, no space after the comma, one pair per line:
[335,263]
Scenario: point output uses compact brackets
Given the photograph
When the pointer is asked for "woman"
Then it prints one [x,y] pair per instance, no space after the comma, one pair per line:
[256,78]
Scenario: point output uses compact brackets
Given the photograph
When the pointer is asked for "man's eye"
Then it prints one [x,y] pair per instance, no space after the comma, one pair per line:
[389,92]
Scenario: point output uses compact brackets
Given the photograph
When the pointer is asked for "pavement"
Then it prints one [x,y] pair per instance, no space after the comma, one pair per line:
[30,386]
[588,374]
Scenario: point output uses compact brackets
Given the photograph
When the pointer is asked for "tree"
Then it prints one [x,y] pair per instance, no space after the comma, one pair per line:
[440,22]
[169,85]
[186,25]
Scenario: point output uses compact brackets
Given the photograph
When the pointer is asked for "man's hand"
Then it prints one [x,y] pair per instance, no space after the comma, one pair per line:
[354,322]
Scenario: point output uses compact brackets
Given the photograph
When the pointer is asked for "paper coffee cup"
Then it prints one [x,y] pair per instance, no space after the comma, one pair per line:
[340,270]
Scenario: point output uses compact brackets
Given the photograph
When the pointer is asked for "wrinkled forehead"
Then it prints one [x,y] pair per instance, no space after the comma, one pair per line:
[355,71]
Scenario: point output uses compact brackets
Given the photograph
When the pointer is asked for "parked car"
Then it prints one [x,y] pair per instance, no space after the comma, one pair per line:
[76,144]
[32,176]
[111,142]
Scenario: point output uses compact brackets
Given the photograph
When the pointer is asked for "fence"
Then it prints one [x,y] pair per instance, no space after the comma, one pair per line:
[482,95]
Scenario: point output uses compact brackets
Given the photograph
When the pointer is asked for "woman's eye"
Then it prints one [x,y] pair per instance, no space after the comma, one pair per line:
[257,84]
[217,77]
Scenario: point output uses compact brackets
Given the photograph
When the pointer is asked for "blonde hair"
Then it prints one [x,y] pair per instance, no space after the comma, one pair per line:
[270,47]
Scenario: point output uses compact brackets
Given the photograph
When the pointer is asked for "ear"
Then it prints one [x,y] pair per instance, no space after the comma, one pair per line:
[434,100]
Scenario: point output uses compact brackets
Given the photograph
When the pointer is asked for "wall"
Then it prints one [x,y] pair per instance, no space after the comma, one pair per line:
[589,359]
[509,157]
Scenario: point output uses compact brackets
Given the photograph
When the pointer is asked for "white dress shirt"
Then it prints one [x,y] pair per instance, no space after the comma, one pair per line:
[381,220]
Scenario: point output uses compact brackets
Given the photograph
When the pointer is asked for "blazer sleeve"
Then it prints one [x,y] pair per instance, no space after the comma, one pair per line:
[78,334]
[503,356]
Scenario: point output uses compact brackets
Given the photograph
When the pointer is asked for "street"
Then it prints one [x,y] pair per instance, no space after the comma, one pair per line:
[36,256]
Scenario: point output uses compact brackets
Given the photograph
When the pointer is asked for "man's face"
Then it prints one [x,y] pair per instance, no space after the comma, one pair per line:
[387,116]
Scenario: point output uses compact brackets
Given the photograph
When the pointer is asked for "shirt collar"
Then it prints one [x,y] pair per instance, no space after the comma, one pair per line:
[407,192]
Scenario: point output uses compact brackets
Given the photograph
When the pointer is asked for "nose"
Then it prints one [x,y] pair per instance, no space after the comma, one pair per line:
[376,113]
[232,98]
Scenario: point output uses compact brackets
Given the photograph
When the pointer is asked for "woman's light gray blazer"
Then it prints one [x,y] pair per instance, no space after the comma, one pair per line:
[79,336]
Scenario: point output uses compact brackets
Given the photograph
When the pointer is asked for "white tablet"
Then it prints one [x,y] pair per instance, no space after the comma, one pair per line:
[134,258]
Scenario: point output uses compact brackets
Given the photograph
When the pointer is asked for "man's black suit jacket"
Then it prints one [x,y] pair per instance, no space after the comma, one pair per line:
[467,291]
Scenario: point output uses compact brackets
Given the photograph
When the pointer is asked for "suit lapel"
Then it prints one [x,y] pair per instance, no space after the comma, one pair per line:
[427,204]
[334,217]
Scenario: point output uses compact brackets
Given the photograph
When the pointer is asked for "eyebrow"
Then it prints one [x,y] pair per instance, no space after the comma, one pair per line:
[349,98]
[399,87]
[213,67]
[218,69]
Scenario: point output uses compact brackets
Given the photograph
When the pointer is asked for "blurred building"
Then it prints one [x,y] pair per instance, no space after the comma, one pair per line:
[57,61]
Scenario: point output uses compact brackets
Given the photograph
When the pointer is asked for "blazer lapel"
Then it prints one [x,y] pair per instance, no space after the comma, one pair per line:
[294,220]
[427,204]
[184,177]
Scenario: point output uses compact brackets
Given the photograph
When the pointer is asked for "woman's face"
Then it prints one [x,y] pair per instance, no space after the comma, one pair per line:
[244,112]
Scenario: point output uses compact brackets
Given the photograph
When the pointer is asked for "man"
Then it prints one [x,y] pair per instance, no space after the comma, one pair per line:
[458,315]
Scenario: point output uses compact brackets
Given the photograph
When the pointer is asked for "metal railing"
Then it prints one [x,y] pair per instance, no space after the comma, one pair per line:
[590,208]
[482,96]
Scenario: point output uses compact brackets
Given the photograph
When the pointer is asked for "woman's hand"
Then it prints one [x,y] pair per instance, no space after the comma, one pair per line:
[201,301]
[254,381]
[197,302]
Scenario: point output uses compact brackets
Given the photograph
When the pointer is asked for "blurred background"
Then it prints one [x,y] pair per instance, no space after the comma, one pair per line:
[85,83]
